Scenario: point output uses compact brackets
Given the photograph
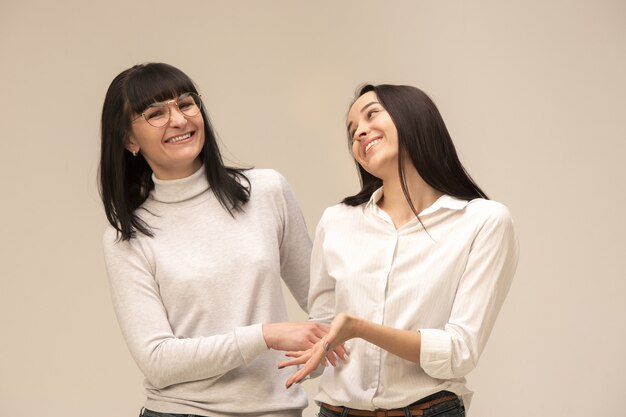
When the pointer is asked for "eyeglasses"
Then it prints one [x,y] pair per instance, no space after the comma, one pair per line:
[158,114]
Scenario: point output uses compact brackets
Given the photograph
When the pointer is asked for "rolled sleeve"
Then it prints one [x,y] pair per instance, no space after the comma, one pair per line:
[436,353]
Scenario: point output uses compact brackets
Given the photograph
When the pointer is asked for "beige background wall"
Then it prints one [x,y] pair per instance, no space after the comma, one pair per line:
[533,93]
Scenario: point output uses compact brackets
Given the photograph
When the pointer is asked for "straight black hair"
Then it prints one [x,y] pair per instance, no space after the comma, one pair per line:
[125,181]
[422,134]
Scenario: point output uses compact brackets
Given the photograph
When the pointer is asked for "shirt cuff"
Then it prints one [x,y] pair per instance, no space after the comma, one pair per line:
[436,353]
[250,341]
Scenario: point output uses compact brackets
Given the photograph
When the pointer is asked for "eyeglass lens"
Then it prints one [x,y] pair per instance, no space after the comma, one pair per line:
[158,114]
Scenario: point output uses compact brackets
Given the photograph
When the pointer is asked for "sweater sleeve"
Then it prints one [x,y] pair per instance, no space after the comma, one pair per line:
[295,246]
[453,352]
[163,358]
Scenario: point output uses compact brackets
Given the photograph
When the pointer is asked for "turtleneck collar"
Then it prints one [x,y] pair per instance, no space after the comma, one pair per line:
[183,189]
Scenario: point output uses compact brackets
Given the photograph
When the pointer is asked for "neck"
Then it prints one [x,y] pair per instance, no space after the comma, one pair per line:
[395,203]
[177,172]
[179,190]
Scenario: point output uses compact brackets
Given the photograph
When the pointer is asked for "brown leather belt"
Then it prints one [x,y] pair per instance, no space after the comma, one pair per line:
[416,410]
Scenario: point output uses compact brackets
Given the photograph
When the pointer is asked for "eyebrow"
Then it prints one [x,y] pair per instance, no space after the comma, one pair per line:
[371,103]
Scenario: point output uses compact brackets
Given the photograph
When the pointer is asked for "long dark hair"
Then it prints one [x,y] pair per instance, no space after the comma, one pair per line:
[424,136]
[125,181]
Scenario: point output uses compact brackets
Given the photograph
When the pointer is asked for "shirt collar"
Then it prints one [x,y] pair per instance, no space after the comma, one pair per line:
[445,201]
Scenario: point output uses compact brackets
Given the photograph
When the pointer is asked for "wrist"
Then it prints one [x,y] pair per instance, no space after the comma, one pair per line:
[357,326]
[267,335]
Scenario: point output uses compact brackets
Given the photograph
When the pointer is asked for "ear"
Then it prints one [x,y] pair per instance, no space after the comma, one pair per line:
[132,146]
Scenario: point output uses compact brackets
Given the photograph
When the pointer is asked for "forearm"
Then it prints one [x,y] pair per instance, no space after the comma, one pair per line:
[177,360]
[402,343]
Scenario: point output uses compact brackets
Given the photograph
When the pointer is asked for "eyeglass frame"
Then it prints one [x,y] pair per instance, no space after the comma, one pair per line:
[165,104]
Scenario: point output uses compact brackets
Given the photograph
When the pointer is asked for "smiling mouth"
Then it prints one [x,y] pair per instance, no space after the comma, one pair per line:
[372,143]
[180,138]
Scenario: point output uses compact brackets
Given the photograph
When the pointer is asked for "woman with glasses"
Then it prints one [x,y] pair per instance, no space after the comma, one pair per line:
[412,270]
[195,252]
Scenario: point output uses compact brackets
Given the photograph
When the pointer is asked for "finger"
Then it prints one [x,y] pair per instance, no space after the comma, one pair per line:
[297,377]
[291,362]
[323,327]
[313,338]
[330,357]
[334,359]
[302,374]
[317,356]
[296,353]
[341,352]
[291,380]
[320,331]
[312,364]
[295,361]
[304,379]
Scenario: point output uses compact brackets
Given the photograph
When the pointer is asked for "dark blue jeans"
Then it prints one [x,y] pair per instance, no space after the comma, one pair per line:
[149,413]
[452,408]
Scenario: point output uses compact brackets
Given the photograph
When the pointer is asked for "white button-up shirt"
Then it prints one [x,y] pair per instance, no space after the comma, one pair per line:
[447,282]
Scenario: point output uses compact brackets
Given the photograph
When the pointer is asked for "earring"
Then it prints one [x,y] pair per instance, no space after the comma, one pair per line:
[134,153]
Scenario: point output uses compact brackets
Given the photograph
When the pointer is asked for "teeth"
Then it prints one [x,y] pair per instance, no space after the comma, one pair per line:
[179,138]
[372,143]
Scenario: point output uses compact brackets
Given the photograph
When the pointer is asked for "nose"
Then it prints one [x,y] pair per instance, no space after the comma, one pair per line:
[177,118]
[361,131]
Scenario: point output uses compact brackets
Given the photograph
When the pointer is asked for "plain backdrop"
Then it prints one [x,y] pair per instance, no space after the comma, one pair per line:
[533,93]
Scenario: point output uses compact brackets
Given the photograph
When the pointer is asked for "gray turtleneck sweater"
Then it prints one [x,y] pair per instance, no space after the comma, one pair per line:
[191,300]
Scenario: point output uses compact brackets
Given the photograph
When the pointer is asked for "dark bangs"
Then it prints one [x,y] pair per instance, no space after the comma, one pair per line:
[154,83]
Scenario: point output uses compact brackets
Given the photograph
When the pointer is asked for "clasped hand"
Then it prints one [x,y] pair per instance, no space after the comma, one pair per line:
[330,349]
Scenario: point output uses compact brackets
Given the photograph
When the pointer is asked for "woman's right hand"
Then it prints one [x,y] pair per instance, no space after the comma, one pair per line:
[296,336]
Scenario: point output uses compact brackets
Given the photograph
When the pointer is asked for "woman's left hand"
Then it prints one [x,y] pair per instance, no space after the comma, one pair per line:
[330,347]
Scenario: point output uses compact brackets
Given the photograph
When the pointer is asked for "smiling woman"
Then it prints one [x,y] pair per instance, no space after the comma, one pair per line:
[195,252]
[170,136]
[411,271]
